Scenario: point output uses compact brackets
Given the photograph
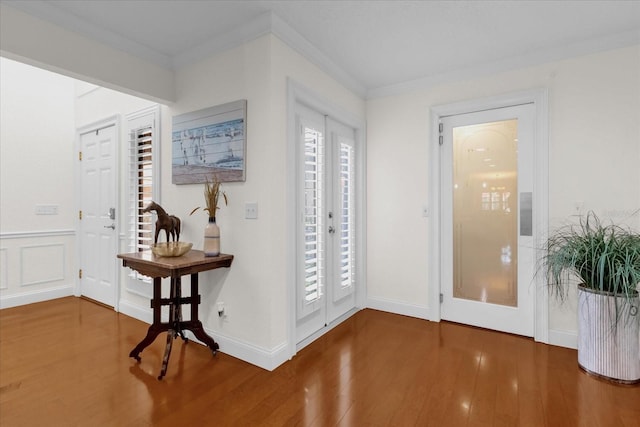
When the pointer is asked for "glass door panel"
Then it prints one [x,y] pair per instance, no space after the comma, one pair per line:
[485,183]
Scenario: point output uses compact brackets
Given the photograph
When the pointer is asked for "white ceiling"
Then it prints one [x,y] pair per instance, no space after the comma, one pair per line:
[370,46]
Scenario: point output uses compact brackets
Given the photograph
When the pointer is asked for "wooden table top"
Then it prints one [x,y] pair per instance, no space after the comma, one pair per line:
[193,261]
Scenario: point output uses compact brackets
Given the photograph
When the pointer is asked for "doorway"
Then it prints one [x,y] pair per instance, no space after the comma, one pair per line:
[326,269]
[490,209]
[98,225]
[326,195]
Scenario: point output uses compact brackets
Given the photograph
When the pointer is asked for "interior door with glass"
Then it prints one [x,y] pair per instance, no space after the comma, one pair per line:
[325,273]
[487,231]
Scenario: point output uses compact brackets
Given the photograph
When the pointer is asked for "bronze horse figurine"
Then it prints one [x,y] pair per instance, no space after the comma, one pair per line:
[169,223]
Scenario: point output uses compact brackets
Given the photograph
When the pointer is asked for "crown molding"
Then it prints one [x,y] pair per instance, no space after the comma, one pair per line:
[586,47]
[270,23]
[229,40]
[50,13]
[297,42]
[267,23]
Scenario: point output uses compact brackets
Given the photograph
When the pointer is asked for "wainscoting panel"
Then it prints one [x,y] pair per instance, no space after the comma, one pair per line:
[42,264]
[4,267]
[36,266]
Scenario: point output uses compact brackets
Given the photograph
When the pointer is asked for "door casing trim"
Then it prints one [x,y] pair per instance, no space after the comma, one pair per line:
[540,99]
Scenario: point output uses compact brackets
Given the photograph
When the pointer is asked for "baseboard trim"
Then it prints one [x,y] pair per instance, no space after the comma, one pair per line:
[247,352]
[268,359]
[557,337]
[560,338]
[31,297]
[396,307]
[264,358]
[143,314]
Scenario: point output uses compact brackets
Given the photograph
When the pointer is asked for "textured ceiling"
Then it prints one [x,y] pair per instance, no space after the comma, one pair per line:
[376,43]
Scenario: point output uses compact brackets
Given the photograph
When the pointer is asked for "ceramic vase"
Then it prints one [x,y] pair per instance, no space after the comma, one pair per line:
[212,238]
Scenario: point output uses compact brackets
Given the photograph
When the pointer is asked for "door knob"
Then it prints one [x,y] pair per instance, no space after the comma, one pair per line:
[331,229]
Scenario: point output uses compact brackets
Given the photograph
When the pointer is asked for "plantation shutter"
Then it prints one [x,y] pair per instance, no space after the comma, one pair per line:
[141,189]
[346,216]
[143,165]
[312,220]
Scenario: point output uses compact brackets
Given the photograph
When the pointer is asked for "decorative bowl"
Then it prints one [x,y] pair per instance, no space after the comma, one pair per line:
[171,249]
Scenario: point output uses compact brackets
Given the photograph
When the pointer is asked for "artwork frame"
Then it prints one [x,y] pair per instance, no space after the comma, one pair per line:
[210,141]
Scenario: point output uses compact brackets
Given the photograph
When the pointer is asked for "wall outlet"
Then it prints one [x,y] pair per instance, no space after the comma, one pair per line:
[251,210]
[220,306]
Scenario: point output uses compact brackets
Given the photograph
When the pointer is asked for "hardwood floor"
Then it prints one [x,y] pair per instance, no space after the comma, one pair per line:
[65,363]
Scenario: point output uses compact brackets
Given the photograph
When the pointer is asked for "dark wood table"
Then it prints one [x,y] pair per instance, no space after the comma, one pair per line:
[192,263]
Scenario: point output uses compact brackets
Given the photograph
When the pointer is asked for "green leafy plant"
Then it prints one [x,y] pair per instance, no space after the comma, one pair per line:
[604,258]
[212,193]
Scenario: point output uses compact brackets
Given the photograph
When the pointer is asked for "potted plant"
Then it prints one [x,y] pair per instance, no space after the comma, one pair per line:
[604,261]
[212,193]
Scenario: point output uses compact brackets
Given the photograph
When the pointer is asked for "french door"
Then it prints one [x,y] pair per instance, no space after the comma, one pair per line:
[488,255]
[325,229]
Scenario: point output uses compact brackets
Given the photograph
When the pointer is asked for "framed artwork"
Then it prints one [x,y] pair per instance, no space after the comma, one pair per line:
[210,141]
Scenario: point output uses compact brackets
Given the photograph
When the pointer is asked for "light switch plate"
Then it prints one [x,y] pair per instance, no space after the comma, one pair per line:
[46,209]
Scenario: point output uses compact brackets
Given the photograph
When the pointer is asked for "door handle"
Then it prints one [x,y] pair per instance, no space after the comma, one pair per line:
[331,229]
[526,214]
[112,226]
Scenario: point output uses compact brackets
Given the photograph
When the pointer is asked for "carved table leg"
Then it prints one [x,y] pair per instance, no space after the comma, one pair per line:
[171,334]
[174,322]
[195,325]
[198,331]
[177,306]
[156,327]
[152,333]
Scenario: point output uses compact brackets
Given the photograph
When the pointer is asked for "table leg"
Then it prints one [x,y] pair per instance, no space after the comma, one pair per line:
[177,306]
[195,325]
[152,333]
[175,318]
[198,331]
[171,335]
[156,327]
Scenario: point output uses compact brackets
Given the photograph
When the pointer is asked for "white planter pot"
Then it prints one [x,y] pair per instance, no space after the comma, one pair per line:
[607,347]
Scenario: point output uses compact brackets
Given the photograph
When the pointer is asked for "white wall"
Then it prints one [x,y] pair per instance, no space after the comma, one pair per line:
[36,168]
[254,288]
[594,130]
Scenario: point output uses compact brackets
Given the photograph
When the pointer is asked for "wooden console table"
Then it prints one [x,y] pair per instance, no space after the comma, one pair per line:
[192,263]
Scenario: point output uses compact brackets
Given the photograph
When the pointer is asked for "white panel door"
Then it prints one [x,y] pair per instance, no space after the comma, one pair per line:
[325,231]
[488,256]
[98,234]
